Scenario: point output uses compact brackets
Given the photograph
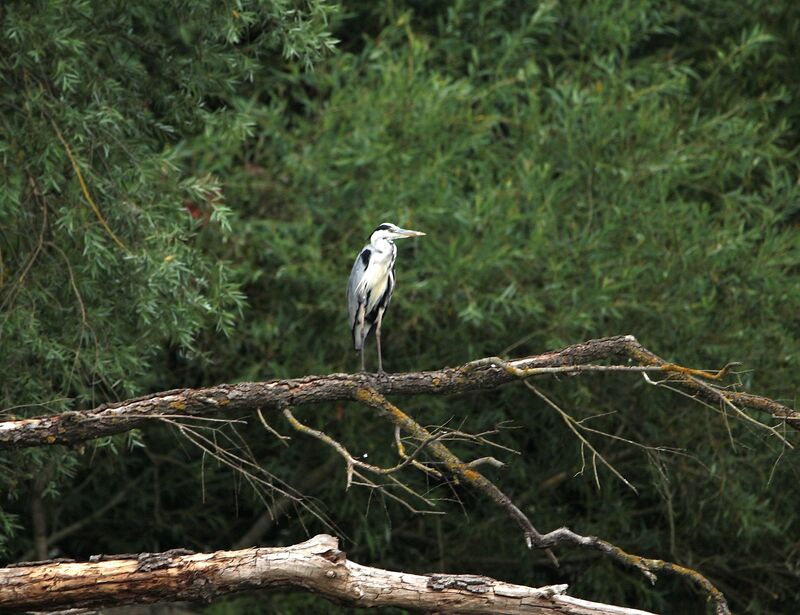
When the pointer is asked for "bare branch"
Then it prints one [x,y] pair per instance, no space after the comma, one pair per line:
[350,461]
[316,565]
[583,358]
[648,567]
[473,479]
[282,439]
[282,504]
[109,419]
[241,460]
[454,466]
[571,423]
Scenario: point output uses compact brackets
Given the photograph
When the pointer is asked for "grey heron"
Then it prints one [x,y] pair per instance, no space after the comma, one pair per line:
[371,284]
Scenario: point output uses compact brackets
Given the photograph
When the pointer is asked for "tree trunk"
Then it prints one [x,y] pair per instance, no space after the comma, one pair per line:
[316,565]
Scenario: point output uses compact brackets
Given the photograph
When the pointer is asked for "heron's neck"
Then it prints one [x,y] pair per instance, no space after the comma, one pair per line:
[381,244]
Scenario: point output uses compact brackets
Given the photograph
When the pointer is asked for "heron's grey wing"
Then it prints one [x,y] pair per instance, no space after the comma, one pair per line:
[355,296]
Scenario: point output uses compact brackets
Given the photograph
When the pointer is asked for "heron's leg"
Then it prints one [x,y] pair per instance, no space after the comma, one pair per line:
[360,317]
[378,338]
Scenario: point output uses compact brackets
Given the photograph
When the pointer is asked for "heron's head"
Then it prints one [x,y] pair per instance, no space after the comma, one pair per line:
[390,232]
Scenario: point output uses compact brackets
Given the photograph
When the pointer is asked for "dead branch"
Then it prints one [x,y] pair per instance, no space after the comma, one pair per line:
[118,417]
[351,462]
[647,566]
[282,505]
[371,390]
[454,466]
[316,565]
[353,465]
[467,475]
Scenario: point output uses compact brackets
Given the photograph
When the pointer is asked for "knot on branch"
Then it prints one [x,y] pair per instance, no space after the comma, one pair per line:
[472,583]
[156,561]
[334,556]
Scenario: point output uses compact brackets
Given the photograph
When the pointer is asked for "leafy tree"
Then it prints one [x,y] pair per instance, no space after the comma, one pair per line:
[103,219]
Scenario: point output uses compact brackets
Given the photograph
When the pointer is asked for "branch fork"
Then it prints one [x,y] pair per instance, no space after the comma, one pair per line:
[431,455]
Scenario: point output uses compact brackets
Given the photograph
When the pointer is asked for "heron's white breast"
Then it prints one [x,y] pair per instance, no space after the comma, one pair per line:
[376,277]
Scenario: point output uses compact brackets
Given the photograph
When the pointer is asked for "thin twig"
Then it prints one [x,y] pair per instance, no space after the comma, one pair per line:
[570,422]
[474,479]
[351,461]
[87,195]
[453,464]
[281,438]
[252,472]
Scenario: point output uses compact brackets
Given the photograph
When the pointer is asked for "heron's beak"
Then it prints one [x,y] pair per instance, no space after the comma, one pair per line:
[408,233]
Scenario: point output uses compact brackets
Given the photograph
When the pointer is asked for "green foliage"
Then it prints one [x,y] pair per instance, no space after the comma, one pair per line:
[100,260]
[581,169]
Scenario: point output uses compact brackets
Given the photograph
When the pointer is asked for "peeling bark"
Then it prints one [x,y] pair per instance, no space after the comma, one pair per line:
[316,565]
[114,418]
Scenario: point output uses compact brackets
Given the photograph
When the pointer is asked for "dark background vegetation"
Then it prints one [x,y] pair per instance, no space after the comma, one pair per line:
[581,169]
